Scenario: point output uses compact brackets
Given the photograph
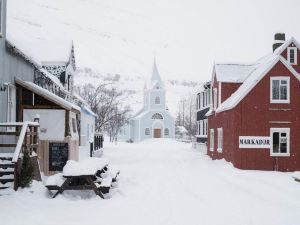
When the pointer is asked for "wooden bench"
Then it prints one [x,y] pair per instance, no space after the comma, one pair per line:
[99,180]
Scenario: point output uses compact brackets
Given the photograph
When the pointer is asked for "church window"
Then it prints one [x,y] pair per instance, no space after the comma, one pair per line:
[167,132]
[147,131]
[157,100]
[157,116]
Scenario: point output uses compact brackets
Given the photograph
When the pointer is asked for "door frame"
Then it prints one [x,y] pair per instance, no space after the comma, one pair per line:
[162,127]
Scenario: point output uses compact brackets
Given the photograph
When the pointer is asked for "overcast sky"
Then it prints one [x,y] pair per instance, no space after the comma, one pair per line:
[186,36]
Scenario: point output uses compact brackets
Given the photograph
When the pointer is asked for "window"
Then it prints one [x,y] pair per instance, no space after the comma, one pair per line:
[280,141]
[157,100]
[166,131]
[157,116]
[1,15]
[280,90]
[205,127]
[220,140]
[201,127]
[292,55]
[147,131]
[211,141]
[74,125]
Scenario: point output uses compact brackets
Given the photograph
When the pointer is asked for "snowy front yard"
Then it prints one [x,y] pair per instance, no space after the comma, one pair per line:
[164,182]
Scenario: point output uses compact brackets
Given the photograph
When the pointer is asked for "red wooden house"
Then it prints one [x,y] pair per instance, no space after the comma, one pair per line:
[254,122]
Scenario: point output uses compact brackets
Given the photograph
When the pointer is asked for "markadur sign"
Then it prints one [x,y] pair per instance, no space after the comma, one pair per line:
[254,142]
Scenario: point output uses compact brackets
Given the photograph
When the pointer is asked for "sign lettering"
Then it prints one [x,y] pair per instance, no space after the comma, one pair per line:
[254,142]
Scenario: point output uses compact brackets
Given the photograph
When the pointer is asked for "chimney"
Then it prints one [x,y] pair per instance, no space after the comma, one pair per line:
[279,40]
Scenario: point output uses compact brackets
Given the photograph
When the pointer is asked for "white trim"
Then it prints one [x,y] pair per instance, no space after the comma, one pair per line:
[280,78]
[162,129]
[281,130]
[220,148]
[289,56]
[215,96]
[211,140]
[219,94]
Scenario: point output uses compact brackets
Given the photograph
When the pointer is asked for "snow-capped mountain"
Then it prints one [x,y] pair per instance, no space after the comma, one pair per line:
[109,37]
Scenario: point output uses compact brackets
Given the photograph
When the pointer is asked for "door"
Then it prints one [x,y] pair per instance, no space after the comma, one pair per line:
[157,133]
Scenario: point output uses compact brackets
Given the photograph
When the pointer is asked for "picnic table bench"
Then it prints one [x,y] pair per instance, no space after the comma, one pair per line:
[91,174]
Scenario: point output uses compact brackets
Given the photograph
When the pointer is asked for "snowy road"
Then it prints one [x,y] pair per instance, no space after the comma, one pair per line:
[166,183]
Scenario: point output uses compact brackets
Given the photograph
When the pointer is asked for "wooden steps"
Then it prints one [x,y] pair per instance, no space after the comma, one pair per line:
[6,171]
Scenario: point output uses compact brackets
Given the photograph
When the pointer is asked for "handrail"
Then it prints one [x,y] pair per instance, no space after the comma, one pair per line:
[20,142]
[35,124]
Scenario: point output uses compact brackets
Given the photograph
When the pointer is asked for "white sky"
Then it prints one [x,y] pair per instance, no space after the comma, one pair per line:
[187,36]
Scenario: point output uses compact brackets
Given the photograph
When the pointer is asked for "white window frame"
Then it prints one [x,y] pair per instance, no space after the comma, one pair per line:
[289,56]
[205,127]
[280,130]
[1,15]
[280,78]
[211,140]
[167,133]
[201,128]
[220,140]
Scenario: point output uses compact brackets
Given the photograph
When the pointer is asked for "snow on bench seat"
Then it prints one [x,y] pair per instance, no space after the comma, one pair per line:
[113,172]
[296,176]
[88,166]
[55,180]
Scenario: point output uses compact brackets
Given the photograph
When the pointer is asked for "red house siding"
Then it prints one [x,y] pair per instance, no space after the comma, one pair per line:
[284,55]
[254,116]
[227,89]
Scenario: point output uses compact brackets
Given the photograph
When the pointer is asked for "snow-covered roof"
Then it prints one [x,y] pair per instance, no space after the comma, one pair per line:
[88,111]
[182,129]
[42,52]
[254,77]
[47,95]
[258,71]
[281,48]
[233,72]
[51,51]
[52,77]
[24,51]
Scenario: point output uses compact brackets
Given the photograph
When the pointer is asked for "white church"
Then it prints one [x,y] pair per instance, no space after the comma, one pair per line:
[153,120]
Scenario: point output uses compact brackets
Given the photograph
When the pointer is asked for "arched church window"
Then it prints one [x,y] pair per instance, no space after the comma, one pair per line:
[157,116]
[147,131]
[167,132]
[157,100]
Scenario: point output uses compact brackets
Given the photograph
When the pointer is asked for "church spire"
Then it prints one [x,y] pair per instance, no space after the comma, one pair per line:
[155,77]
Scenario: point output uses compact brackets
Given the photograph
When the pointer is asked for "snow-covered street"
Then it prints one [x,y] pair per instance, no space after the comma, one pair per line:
[165,182]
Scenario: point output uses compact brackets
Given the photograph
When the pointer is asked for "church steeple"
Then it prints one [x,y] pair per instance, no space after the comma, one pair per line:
[155,77]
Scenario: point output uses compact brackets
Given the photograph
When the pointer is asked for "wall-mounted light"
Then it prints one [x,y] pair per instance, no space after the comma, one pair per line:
[3,86]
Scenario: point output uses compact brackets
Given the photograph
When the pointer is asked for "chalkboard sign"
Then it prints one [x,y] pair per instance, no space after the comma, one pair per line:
[58,156]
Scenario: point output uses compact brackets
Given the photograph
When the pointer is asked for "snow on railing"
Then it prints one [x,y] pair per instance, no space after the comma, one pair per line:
[21,137]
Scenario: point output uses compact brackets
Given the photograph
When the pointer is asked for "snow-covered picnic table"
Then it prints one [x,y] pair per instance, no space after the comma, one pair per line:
[88,174]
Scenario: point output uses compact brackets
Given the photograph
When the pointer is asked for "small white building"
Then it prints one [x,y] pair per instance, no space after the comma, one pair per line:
[153,120]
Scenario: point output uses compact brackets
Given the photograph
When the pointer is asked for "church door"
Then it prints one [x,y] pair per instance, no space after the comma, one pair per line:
[157,133]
